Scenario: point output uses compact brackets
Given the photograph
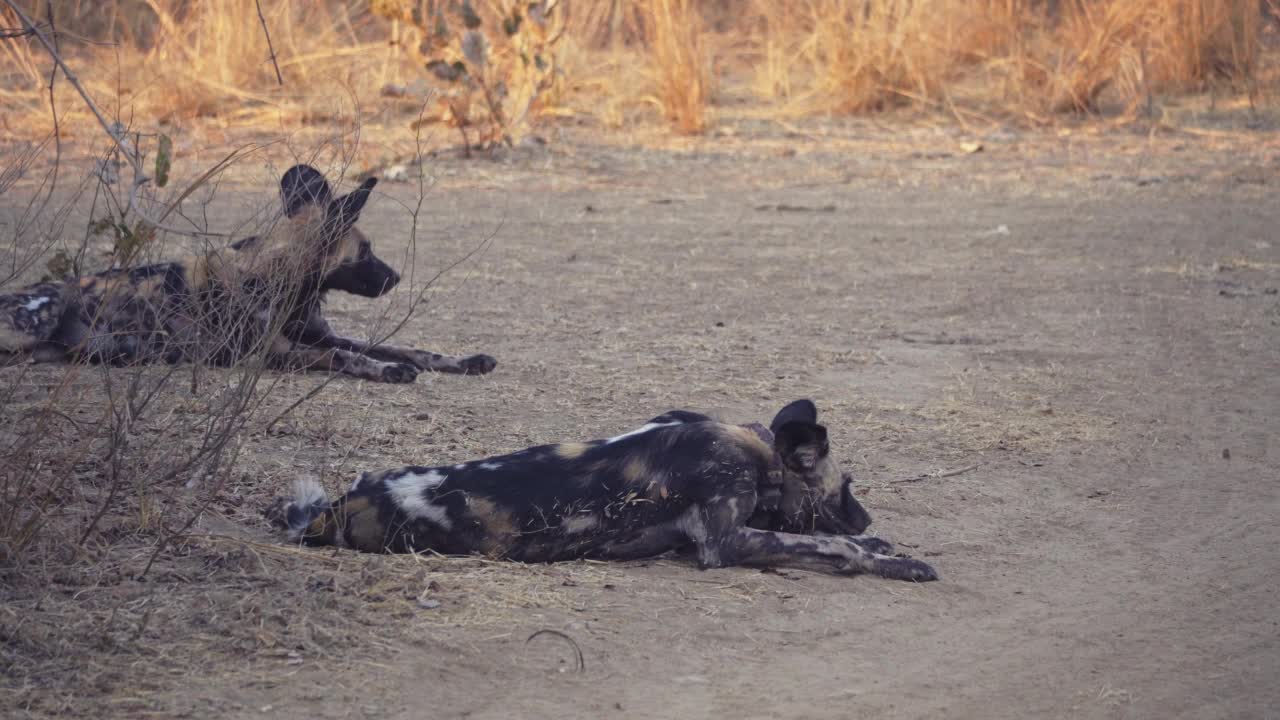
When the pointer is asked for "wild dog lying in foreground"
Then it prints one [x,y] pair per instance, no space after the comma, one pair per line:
[265,294]
[735,495]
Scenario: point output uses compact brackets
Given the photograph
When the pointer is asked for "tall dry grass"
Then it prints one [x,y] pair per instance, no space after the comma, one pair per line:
[1196,42]
[175,59]
[855,56]
[870,56]
[212,58]
[167,60]
[679,62]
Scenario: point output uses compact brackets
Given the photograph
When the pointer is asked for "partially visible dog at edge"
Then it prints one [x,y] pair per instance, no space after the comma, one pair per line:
[734,495]
[263,294]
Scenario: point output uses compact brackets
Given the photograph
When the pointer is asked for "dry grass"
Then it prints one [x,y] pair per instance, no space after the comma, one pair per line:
[209,54]
[176,61]
[872,56]
[680,63]
[173,60]
[1196,42]
[848,56]
[1100,44]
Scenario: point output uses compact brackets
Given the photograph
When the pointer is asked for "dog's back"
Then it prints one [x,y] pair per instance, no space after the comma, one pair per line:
[544,503]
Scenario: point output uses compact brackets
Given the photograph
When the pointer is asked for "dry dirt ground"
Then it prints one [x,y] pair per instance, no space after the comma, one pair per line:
[1053,365]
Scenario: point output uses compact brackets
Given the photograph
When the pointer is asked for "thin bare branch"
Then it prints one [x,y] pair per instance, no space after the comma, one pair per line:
[270,48]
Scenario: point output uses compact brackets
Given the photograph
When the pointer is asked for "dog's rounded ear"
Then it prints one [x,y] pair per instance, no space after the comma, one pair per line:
[801,444]
[344,211]
[303,185]
[798,411]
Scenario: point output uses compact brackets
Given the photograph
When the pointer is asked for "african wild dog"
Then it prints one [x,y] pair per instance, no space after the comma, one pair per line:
[734,495]
[265,293]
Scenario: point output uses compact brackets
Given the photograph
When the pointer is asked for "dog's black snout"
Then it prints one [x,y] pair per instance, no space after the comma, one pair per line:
[381,278]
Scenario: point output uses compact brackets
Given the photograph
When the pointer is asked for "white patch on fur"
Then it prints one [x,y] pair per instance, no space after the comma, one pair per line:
[639,431]
[575,524]
[410,493]
[695,528]
[460,466]
[307,492]
[733,506]
[35,304]
[490,465]
[692,524]
[359,479]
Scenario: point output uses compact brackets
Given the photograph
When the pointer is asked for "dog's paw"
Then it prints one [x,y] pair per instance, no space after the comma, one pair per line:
[906,569]
[478,364]
[399,373]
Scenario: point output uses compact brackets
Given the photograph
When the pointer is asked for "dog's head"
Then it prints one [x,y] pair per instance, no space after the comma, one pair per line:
[816,495]
[327,225]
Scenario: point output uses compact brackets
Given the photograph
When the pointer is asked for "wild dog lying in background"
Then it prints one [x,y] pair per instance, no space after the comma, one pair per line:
[221,306]
[735,495]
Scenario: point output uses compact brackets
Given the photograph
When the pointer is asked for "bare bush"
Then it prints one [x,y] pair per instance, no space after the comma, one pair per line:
[497,62]
[127,445]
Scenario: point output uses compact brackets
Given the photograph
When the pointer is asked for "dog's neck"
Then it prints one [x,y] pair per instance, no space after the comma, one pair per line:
[768,492]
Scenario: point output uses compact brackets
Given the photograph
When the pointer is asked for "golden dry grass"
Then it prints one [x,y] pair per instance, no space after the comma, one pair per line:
[171,60]
[680,63]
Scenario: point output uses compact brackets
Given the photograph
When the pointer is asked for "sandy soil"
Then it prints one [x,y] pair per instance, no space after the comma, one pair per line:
[1052,364]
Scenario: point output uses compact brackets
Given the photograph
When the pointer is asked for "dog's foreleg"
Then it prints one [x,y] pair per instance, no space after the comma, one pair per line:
[317,332]
[345,362]
[420,359]
[870,543]
[840,554]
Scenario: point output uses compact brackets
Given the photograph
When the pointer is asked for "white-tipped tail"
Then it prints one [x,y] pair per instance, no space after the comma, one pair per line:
[309,503]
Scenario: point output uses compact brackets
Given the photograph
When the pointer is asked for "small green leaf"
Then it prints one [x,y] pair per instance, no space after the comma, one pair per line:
[163,160]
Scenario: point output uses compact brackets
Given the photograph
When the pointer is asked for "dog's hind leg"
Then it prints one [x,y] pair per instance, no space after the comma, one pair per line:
[839,554]
[647,543]
[29,320]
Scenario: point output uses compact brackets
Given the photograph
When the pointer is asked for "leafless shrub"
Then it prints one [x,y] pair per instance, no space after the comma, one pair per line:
[95,452]
[498,62]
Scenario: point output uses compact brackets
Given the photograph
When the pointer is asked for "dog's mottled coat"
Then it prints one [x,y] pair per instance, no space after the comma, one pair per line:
[264,293]
[680,481]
